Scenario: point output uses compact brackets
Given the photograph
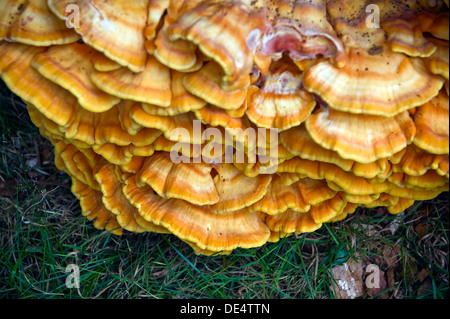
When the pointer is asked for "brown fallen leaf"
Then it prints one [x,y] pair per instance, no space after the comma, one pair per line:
[423,274]
[388,256]
[421,230]
[348,281]
[377,285]
[389,259]
[425,288]
[390,277]
[8,188]
[421,225]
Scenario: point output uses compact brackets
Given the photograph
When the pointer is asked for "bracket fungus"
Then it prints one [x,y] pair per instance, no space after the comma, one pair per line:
[234,123]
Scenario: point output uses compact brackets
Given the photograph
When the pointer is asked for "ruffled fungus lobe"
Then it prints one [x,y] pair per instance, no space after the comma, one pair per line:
[234,123]
[435,23]
[31,22]
[432,125]
[406,36]
[70,66]
[178,54]
[280,197]
[114,28]
[385,83]
[90,199]
[228,180]
[177,128]
[212,26]
[152,85]
[302,29]
[416,161]
[362,138]
[299,142]
[115,201]
[205,84]
[198,224]
[291,222]
[51,100]
[438,62]
[280,103]
[181,102]
[375,80]
[191,182]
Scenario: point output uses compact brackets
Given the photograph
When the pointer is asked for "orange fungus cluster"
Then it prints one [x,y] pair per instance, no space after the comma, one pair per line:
[232,123]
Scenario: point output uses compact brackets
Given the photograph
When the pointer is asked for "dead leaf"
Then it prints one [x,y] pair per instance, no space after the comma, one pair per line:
[421,225]
[348,281]
[388,256]
[425,288]
[391,277]
[422,230]
[423,274]
[382,286]
[8,188]
[396,223]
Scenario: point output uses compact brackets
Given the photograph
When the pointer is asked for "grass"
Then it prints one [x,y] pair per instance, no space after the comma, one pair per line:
[42,232]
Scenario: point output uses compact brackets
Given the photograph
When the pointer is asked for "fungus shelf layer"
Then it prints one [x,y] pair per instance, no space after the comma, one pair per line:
[235,123]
